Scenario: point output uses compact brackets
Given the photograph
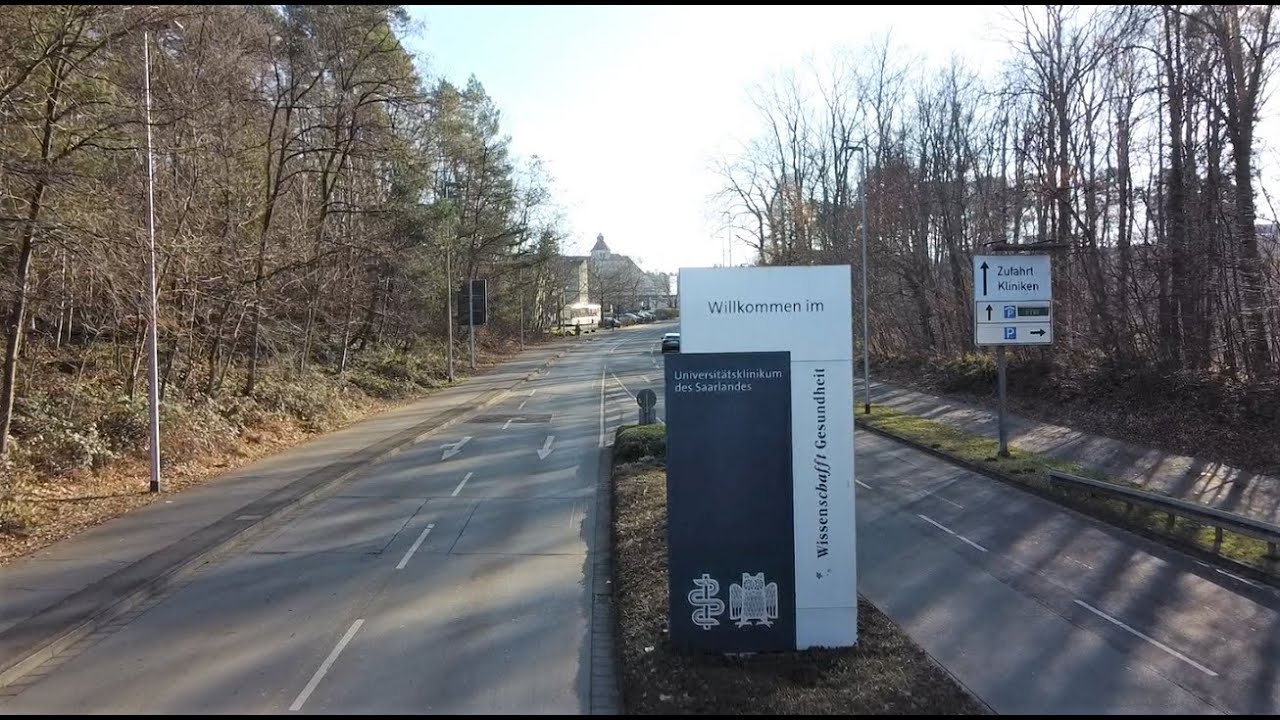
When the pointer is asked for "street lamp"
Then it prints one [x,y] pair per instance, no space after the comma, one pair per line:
[866,336]
[153,372]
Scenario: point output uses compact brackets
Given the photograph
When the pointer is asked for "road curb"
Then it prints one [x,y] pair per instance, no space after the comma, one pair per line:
[45,634]
[605,696]
[1042,490]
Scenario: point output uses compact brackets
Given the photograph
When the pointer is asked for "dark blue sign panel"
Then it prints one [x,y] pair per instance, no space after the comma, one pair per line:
[730,525]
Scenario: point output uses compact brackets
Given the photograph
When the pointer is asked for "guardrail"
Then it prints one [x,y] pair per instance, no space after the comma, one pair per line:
[1173,507]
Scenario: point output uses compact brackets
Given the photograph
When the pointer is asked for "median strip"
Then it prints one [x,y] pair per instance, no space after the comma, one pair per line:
[885,673]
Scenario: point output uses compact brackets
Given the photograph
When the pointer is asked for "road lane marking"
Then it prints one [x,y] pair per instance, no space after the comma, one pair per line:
[1233,576]
[862,483]
[949,531]
[935,523]
[531,392]
[507,424]
[602,390]
[646,379]
[1148,638]
[459,488]
[324,667]
[546,447]
[417,544]
[454,448]
[947,501]
[522,402]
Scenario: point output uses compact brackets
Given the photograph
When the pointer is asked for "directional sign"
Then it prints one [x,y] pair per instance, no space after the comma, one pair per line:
[1013,300]
[1011,277]
[1022,334]
[1012,313]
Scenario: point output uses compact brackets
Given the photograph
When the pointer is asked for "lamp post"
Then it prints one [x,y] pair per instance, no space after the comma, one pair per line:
[866,335]
[446,194]
[153,373]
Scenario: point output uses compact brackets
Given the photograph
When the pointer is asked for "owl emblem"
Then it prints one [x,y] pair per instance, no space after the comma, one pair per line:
[753,600]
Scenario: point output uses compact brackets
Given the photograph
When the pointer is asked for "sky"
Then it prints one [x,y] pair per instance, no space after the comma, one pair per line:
[628,106]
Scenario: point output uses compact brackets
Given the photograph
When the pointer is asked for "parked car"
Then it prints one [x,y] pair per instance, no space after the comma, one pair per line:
[671,342]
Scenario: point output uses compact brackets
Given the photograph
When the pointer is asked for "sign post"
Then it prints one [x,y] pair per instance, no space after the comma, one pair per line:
[783,573]
[646,399]
[1013,305]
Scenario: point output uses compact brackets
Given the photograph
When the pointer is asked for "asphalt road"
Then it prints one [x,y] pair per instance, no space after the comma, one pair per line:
[454,577]
[457,577]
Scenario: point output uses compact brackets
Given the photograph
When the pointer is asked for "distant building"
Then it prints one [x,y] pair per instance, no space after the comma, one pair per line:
[620,286]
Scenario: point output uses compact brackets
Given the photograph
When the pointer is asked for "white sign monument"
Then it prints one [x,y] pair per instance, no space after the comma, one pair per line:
[806,311]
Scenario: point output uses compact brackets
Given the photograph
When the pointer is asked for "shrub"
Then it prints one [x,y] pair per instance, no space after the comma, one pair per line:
[634,442]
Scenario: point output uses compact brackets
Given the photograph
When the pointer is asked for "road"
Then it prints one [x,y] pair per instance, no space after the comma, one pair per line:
[454,577]
[1040,609]
[458,577]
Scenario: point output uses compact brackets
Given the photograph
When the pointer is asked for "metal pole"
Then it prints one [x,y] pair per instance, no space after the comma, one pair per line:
[520,289]
[471,318]
[1000,385]
[866,333]
[153,375]
[448,285]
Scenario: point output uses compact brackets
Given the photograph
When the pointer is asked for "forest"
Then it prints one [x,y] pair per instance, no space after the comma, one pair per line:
[1120,140]
[298,182]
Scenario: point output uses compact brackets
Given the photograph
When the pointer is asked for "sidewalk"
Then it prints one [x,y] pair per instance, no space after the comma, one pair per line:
[1201,481]
[55,596]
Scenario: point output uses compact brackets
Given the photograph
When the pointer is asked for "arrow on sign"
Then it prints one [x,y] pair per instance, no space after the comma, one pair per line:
[988,311]
[1037,332]
[454,448]
[984,276]
[545,450]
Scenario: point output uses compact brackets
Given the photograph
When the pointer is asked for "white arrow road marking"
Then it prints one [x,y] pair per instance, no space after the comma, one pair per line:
[454,448]
[545,450]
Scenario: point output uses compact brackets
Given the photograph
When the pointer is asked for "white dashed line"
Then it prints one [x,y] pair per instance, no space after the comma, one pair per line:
[522,402]
[949,531]
[862,483]
[1148,638]
[459,488]
[935,523]
[324,667]
[947,501]
[416,544]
